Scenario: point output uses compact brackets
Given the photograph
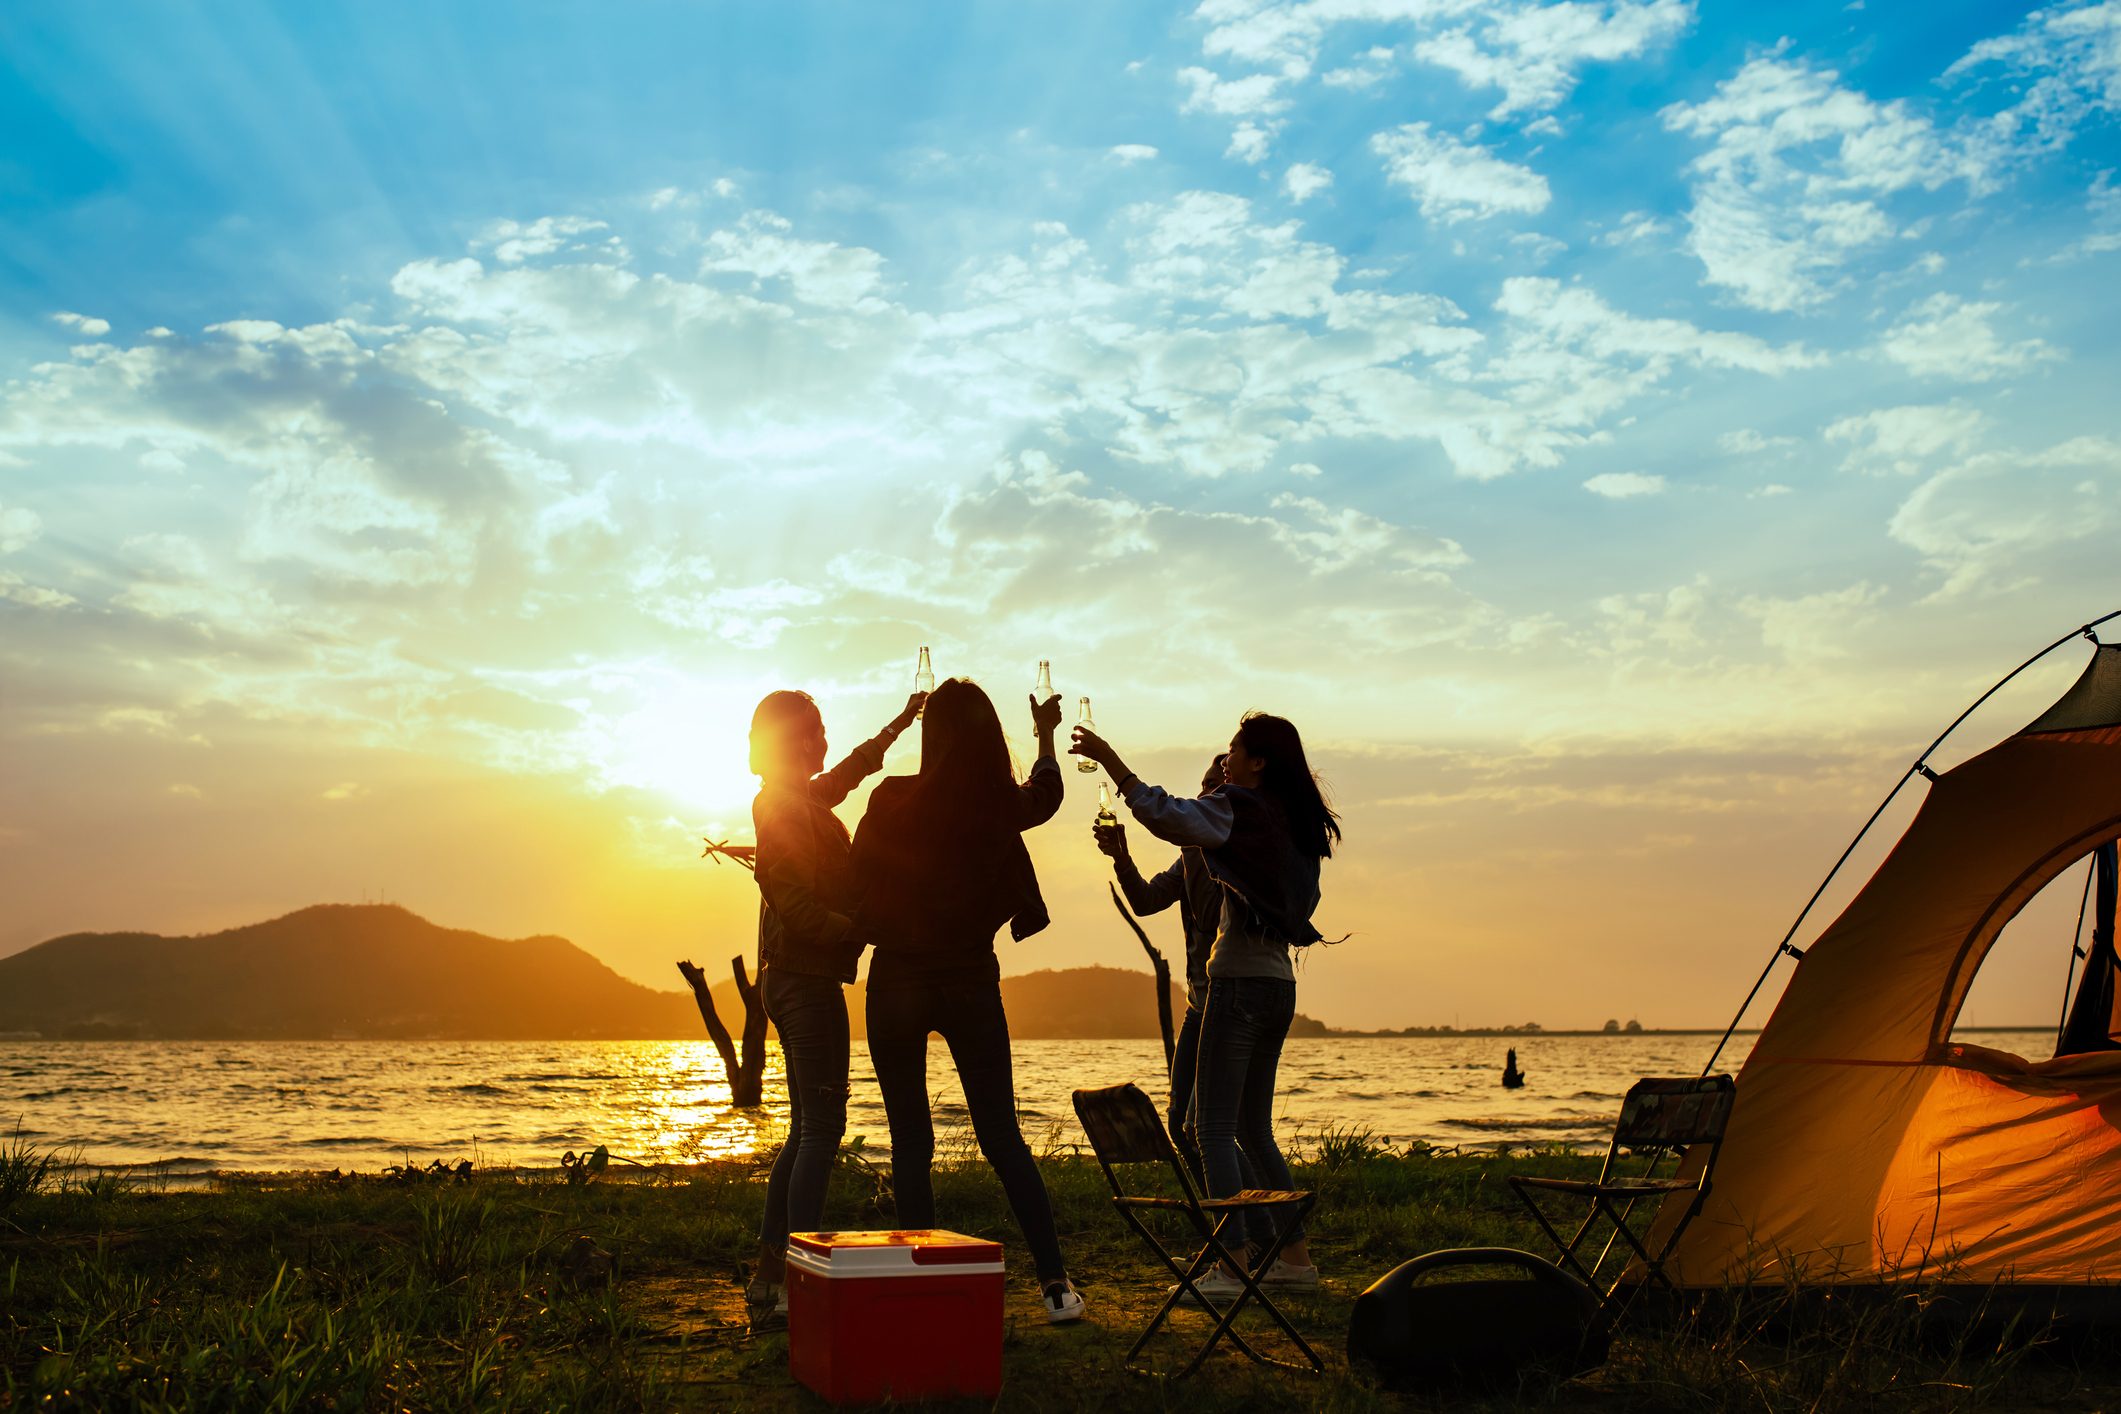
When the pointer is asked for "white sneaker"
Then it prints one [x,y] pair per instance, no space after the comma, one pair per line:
[1290,1277]
[1217,1285]
[1064,1304]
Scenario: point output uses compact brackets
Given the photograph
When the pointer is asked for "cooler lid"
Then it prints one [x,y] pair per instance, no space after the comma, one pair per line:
[898,1250]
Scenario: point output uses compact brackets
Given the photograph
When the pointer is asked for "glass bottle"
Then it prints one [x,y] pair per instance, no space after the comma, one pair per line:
[923,678]
[1044,689]
[1104,804]
[1082,719]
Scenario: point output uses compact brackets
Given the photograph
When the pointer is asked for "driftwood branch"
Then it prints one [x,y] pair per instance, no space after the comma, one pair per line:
[745,1069]
[1163,974]
[719,850]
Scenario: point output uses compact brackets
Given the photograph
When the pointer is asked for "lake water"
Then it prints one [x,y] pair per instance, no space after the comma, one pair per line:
[195,1107]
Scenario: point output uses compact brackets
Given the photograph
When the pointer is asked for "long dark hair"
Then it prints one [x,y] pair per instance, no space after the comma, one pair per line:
[1290,780]
[965,766]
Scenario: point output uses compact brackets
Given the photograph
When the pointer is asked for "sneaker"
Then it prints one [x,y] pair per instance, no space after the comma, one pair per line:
[1289,1277]
[1217,1285]
[1064,1304]
[766,1305]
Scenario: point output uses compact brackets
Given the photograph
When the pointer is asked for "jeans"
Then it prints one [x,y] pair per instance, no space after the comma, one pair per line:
[967,1010]
[1185,1057]
[1241,1031]
[811,1015]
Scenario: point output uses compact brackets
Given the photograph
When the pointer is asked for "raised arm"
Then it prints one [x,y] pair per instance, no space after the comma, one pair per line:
[831,787]
[1203,820]
[1038,798]
[1152,895]
[1181,820]
[787,870]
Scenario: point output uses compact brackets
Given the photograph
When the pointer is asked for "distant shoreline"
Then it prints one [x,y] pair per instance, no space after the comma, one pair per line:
[1442,1033]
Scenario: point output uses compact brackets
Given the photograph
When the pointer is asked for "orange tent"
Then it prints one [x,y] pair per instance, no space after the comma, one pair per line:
[1866,1145]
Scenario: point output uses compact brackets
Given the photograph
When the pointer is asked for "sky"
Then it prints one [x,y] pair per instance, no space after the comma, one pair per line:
[1620,434]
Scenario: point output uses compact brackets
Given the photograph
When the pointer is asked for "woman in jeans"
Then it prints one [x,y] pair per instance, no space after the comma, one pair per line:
[806,954]
[939,866]
[1262,835]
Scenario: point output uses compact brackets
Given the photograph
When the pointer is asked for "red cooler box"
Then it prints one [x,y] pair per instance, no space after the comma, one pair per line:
[895,1315]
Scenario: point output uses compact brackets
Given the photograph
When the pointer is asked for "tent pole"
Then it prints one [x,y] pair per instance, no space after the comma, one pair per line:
[2076,950]
[1921,767]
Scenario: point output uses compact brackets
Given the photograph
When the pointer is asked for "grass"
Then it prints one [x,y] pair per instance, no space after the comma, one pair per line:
[508,1291]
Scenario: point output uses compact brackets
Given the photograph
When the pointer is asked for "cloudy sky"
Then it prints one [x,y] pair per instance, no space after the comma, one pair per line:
[1619,434]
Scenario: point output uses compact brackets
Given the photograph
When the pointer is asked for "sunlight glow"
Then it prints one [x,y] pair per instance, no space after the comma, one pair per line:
[690,743]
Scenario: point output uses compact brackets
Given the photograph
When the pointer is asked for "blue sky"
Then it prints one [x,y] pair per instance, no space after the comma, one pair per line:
[1615,431]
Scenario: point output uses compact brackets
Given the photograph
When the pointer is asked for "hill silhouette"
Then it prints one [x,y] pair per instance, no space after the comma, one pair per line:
[381,971]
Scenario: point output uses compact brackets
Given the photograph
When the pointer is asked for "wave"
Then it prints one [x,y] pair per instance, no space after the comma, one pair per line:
[1557,1124]
[476,1087]
[347,1141]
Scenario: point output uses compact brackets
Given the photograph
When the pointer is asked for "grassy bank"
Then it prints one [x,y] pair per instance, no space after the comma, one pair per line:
[481,1293]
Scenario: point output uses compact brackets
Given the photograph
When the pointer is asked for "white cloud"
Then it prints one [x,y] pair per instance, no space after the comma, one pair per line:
[1748,441]
[1788,190]
[18,526]
[1624,485]
[2004,520]
[2102,203]
[1248,143]
[1369,69]
[1456,181]
[1130,153]
[1813,628]
[1634,227]
[1578,317]
[1901,441]
[1251,96]
[1533,52]
[516,241]
[1305,180]
[17,590]
[82,323]
[823,273]
[1947,337]
[2066,61]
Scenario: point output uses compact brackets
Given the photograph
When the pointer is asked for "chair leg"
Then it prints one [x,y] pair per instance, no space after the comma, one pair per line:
[1184,1274]
[1567,1247]
[1251,1292]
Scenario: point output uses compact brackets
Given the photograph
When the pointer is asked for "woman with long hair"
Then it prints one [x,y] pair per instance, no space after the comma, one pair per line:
[807,953]
[1262,836]
[939,866]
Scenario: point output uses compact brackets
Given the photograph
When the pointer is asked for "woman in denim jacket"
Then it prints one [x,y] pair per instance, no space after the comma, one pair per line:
[1262,836]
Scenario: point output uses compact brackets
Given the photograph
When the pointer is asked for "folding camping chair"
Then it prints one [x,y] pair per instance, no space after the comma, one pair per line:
[1125,1129]
[1656,1115]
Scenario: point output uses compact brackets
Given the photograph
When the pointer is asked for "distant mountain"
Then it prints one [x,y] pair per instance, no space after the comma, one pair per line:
[333,970]
[376,970]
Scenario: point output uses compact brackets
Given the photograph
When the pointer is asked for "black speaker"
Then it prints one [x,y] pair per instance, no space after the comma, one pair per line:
[1430,1323]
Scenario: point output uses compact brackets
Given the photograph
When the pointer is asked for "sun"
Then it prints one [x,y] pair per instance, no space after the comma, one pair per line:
[691,744]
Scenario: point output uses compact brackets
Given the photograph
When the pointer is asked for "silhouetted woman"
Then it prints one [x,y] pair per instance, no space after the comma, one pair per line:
[940,866]
[1262,835]
[806,952]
